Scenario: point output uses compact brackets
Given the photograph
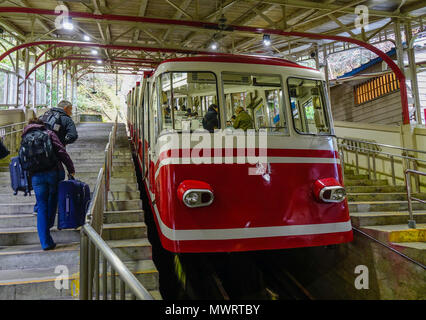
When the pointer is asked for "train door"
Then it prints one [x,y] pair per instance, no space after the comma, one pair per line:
[139,106]
[146,124]
[153,135]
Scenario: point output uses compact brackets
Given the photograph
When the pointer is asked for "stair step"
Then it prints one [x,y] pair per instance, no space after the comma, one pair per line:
[124,230]
[39,283]
[18,220]
[15,208]
[392,196]
[355,176]
[29,235]
[33,256]
[397,232]
[365,182]
[372,206]
[385,218]
[374,189]
[19,198]
[123,195]
[131,249]
[124,216]
[124,205]
[36,283]
[414,250]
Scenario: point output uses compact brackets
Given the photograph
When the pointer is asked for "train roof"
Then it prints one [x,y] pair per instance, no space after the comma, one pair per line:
[231,58]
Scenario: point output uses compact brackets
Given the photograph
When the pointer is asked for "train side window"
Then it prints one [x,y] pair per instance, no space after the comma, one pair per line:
[185,98]
[308,108]
[154,110]
[146,113]
[261,98]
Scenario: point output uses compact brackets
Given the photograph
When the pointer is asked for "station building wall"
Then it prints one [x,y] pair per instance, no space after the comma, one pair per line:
[386,109]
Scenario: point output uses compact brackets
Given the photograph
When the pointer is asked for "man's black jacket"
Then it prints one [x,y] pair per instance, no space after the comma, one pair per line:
[67,133]
[210,120]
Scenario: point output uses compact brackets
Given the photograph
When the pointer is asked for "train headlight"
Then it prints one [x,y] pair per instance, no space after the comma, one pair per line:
[329,190]
[195,193]
[191,198]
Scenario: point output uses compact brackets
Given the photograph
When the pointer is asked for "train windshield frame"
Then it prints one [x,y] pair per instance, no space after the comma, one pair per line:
[261,97]
[308,106]
[185,97]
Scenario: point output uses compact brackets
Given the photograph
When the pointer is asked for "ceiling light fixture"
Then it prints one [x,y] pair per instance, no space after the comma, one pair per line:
[267,40]
[67,24]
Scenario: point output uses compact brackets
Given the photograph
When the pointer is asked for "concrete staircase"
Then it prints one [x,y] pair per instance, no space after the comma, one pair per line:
[28,272]
[381,210]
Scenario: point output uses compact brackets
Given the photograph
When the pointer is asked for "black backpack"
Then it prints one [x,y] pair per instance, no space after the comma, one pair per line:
[3,151]
[52,120]
[36,152]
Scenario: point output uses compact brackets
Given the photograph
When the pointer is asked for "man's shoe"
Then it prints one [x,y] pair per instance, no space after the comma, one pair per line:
[50,248]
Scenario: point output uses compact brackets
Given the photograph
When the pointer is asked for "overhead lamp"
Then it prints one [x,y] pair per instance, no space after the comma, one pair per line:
[213,46]
[99,61]
[67,24]
[94,51]
[267,40]
[86,37]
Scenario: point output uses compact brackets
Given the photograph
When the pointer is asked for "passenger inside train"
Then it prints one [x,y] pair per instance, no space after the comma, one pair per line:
[254,100]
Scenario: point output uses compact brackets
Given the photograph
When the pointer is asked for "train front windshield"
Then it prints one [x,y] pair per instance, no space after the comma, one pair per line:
[185,99]
[308,107]
[260,95]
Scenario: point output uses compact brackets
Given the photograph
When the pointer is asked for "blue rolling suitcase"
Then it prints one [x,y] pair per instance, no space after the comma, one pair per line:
[19,178]
[73,202]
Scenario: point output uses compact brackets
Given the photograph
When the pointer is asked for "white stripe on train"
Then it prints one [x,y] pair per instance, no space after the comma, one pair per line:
[234,160]
[247,233]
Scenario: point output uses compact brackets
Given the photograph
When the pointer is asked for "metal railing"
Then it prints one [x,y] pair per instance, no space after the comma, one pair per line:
[411,221]
[373,152]
[11,136]
[95,252]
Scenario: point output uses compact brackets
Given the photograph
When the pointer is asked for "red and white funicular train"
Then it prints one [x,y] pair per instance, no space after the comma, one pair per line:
[277,185]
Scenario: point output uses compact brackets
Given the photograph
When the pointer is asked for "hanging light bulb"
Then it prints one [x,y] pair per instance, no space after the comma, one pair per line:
[94,51]
[267,40]
[86,37]
[99,61]
[67,24]
[213,46]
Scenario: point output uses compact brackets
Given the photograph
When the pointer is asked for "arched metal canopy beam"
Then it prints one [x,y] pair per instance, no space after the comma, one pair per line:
[63,43]
[102,72]
[209,26]
[130,63]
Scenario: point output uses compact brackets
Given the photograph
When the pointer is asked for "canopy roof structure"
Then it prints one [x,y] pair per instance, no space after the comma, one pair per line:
[136,35]
[115,22]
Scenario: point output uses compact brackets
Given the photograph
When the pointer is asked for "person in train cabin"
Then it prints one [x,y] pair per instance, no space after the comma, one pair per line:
[242,120]
[42,153]
[211,120]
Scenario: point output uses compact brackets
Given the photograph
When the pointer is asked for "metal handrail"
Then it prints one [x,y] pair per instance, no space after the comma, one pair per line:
[126,278]
[10,135]
[92,246]
[411,221]
[383,145]
[373,153]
